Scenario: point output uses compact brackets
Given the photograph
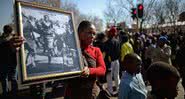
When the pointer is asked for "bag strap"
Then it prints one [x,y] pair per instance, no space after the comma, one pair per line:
[91,62]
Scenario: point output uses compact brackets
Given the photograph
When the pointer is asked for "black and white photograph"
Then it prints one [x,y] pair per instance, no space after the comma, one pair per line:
[51,46]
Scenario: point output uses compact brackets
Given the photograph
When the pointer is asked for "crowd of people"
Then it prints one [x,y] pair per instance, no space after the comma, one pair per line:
[130,61]
[150,50]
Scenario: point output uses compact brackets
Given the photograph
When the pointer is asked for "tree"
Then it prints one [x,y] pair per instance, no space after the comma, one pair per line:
[72,7]
[113,14]
[158,12]
[122,7]
[78,17]
[173,11]
[147,16]
[69,5]
[167,11]
[96,21]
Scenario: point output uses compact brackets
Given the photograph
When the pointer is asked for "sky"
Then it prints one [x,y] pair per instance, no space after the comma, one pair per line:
[6,12]
[94,7]
[90,7]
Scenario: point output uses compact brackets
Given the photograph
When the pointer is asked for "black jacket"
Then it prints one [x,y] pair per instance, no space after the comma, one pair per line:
[7,55]
[112,48]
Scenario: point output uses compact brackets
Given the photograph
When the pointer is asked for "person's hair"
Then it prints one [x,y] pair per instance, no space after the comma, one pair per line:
[130,58]
[46,16]
[124,37]
[7,29]
[160,71]
[122,33]
[83,25]
[100,36]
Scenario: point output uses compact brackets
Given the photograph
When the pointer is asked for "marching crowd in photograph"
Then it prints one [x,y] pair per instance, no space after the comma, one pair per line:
[116,64]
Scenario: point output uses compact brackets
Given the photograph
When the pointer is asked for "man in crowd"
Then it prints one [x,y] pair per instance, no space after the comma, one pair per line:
[126,48]
[112,50]
[162,52]
[8,64]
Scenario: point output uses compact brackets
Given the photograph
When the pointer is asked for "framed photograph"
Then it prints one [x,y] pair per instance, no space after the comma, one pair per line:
[51,49]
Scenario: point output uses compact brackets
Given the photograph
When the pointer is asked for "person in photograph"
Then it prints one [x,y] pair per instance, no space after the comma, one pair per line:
[85,87]
[31,42]
[46,31]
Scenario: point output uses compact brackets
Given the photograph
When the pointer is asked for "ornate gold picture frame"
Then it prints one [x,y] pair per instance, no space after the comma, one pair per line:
[51,49]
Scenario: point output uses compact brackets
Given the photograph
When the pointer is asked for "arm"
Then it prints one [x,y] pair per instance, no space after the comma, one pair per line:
[16,42]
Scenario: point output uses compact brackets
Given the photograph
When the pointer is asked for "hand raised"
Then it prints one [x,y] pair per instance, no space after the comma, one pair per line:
[16,42]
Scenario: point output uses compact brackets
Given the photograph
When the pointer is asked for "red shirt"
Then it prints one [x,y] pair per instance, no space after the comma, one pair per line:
[100,64]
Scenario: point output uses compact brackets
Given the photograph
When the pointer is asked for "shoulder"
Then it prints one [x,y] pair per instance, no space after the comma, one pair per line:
[94,48]
[140,78]
[126,79]
[139,75]
[94,51]
[167,47]
[126,45]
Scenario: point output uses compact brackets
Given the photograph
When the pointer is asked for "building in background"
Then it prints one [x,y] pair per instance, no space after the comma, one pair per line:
[174,27]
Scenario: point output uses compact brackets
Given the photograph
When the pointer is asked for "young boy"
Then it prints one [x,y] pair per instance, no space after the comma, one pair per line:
[132,85]
[163,79]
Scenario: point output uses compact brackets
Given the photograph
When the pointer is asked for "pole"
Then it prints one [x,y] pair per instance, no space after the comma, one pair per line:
[137,19]
[141,27]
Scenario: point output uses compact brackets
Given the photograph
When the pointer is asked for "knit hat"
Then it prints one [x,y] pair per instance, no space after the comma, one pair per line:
[163,39]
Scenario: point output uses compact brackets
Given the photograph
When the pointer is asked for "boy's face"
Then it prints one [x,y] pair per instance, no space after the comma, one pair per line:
[136,65]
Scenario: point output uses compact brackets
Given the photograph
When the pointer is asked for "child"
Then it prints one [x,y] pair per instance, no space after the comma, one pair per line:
[132,85]
[163,79]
